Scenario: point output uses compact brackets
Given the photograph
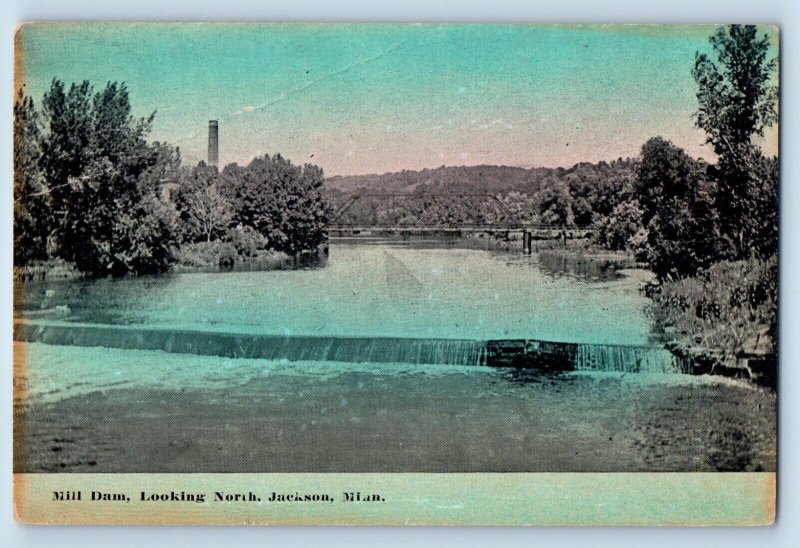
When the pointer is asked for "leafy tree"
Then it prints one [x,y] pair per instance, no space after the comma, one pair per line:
[31,204]
[206,211]
[617,230]
[522,205]
[555,203]
[676,201]
[142,237]
[737,97]
[66,139]
[99,176]
[582,210]
[281,201]
[763,227]
[738,101]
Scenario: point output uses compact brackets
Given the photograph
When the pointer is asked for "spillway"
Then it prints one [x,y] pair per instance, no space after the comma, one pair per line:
[518,353]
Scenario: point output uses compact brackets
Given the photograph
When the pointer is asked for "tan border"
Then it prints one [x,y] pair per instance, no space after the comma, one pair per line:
[694,499]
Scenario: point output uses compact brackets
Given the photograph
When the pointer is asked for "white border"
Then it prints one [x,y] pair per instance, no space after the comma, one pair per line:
[784,13]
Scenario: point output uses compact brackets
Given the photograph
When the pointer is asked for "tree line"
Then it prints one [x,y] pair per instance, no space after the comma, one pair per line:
[88,190]
[575,196]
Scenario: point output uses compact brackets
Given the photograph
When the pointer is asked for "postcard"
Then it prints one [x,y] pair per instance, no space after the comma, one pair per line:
[387,274]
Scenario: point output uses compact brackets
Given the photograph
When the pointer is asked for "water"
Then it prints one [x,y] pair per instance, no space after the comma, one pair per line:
[374,363]
[625,359]
[122,410]
[369,291]
[380,303]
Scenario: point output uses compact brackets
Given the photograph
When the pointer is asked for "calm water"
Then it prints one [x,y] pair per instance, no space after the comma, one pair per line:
[373,290]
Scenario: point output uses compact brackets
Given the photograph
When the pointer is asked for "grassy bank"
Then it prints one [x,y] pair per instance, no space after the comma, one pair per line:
[38,271]
[212,256]
[219,256]
[571,248]
[723,318]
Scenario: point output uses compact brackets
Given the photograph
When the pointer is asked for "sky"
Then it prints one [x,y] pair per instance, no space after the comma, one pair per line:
[359,99]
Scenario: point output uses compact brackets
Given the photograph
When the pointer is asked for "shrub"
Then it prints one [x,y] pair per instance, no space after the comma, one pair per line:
[211,254]
[247,241]
[728,311]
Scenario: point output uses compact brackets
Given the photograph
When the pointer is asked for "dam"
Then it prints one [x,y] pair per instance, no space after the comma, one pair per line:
[527,354]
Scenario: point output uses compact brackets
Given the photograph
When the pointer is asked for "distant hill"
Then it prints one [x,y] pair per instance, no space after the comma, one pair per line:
[580,194]
[454,178]
[476,179]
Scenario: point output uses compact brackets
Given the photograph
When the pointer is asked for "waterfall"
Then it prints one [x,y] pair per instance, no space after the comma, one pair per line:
[628,359]
[270,347]
[520,353]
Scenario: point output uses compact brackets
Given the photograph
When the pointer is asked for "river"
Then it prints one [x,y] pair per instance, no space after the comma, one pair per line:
[124,408]
[371,291]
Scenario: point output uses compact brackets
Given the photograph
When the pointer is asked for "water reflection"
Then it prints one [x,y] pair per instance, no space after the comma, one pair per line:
[559,264]
[535,377]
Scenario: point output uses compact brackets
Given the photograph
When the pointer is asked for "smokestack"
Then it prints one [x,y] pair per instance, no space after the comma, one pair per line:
[213,142]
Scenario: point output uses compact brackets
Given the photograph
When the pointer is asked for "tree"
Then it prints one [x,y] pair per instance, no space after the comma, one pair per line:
[98,176]
[555,203]
[31,204]
[582,210]
[143,237]
[737,101]
[737,98]
[281,201]
[676,200]
[207,212]
[617,230]
[763,227]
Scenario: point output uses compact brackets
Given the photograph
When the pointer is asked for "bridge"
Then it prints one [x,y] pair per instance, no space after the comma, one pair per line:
[370,213]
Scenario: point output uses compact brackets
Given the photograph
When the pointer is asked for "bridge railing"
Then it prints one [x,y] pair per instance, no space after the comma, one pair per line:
[456,226]
[508,221]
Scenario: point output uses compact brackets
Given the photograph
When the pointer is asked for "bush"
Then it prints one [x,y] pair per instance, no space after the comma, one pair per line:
[728,311]
[207,255]
[247,241]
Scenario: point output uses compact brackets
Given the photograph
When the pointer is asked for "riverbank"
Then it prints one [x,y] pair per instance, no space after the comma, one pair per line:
[268,416]
[724,318]
[225,259]
[40,271]
[574,248]
[215,258]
